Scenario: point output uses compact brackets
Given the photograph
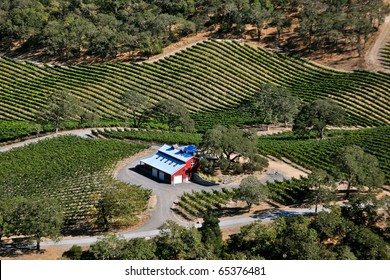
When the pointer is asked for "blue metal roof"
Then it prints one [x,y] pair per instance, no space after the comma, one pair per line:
[164,163]
[181,153]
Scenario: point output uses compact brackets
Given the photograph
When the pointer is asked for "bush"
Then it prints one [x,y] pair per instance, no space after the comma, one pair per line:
[223,164]
[237,168]
[74,253]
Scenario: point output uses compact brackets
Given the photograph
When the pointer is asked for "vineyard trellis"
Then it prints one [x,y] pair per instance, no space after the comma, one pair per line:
[71,169]
[212,77]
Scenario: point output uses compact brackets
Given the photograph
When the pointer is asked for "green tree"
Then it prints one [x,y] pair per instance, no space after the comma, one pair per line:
[295,240]
[8,207]
[136,105]
[358,168]
[211,232]
[39,218]
[260,12]
[61,106]
[275,104]
[366,245]
[229,143]
[330,225]
[109,247]
[120,204]
[316,116]
[179,243]
[89,114]
[174,114]
[255,240]
[140,249]
[112,247]
[363,210]
[322,188]
[252,191]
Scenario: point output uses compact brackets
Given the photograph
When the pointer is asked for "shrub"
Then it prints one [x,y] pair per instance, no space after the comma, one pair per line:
[74,253]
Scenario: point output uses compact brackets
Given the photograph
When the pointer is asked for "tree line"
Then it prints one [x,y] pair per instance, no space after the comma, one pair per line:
[105,28]
[344,233]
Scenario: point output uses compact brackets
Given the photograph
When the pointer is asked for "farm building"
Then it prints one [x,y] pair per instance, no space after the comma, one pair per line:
[172,164]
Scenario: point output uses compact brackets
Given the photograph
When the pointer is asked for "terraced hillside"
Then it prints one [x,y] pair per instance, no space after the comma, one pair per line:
[385,56]
[210,77]
[320,153]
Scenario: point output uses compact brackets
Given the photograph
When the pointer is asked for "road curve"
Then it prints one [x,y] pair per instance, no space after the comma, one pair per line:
[372,56]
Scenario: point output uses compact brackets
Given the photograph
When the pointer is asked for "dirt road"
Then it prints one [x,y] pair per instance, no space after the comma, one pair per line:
[372,56]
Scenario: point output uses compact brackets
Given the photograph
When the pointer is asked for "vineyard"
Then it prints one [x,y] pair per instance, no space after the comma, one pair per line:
[320,153]
[150,136]
[212,78]
[385,56]
[71,169]
[195,204]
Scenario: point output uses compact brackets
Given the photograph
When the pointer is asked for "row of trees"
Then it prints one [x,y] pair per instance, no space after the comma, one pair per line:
[108,27]
[343,233]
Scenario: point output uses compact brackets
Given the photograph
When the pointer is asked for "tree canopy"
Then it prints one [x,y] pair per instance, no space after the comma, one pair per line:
[230,143]
[275,104]
[252,191]
[61,106]
[316,116]
[174,114]
[68,29]
[358,168]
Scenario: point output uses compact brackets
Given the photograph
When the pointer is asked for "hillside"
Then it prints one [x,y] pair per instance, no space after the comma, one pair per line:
[210,76]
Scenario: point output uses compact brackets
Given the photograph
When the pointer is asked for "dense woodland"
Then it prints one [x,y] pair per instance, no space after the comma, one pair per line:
[73,28]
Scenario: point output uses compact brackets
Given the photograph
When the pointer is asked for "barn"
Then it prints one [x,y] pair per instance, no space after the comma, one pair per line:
[172,164]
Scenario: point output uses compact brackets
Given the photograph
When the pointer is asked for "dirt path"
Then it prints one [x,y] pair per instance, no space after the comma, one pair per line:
[372,56]
[179,46]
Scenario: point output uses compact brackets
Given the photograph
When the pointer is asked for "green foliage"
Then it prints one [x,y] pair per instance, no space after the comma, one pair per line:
[229,143]
[112,247]
[35,218]
[137,106]
[366,245]
[74,253]
[120,204]
[252,191]
[174,114]
[323,188]
[61,106]
[275,104]
[359,168]
[316,116]
[211,232]
[69,168]
[179,243]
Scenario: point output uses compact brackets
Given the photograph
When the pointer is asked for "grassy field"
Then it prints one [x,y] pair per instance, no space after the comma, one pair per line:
[211,78]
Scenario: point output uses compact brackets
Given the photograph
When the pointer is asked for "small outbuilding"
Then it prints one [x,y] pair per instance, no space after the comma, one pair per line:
[172,164]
